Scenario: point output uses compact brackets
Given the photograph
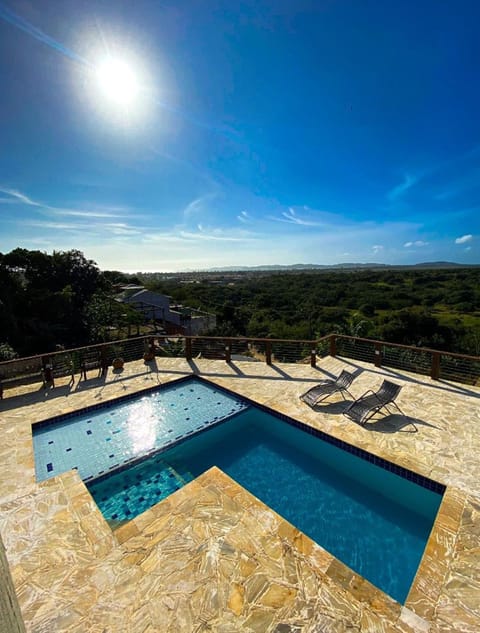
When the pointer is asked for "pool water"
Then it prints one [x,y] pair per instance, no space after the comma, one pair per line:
[373,520]
[96,442]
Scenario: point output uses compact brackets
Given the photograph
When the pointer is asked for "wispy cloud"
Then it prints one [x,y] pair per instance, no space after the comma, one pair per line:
[56,226]
[98,211]
[218,235]
[291,217]
[19,197]
[118,228]
[243,217]
[198,205]
[457,187]
[399,190]
[377,248]
[454,176]
[418,243]
[84,214]
[464,239]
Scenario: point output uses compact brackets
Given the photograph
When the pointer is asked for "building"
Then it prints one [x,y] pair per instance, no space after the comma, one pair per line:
[175,319]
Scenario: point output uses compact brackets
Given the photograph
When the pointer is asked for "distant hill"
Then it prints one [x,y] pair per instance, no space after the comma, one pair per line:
[346,266]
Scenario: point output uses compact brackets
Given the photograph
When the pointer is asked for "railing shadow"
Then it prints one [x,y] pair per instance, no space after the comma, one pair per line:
[43,394]
[97,382]
[239,371]
[425,380]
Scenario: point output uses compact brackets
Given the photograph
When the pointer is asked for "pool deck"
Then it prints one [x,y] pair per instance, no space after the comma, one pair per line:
[211,557]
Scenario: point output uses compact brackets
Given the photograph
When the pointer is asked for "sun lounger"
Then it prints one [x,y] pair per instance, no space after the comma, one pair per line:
[328,387]
[372,402]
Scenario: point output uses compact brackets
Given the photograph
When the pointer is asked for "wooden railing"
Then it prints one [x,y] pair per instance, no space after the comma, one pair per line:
[434,363]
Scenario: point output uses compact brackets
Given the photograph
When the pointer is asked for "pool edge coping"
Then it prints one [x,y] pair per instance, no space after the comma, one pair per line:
[414,595]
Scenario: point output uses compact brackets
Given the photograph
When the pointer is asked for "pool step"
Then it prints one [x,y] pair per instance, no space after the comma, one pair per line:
[182,479]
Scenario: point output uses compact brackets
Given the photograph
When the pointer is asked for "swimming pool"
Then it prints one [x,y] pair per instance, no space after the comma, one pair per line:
[102,438]
[374,520]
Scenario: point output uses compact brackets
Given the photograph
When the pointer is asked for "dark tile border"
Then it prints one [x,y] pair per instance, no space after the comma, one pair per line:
[421,480]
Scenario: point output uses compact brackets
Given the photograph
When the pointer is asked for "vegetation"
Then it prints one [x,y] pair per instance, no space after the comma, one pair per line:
[429,308]
[63,299]
[47,301]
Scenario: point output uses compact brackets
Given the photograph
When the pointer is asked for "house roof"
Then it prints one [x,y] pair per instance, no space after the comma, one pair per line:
[147,296]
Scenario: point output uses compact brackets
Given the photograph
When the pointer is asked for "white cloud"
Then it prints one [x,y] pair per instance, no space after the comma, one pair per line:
[120,228]
[464,239]
[84,214]
[18,196]
[197,205]
[218,235]
[291,217]
[377,248]
[418,243]
[403,187]
[243,217]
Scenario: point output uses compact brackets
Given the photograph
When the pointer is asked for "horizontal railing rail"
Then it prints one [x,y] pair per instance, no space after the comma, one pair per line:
[425,361]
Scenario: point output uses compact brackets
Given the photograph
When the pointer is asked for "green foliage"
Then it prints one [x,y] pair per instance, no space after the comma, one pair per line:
[43,298]
[419,307]
[7,352]
[64,299]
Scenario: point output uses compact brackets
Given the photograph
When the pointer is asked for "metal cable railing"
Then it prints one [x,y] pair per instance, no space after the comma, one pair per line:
[459,369]
[436,363]
[416,361]
[358,349]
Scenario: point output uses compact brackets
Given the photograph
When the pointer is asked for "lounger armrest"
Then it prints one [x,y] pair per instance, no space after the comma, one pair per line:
[365,394]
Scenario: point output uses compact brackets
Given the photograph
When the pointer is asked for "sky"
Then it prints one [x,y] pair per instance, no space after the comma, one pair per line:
[189,134]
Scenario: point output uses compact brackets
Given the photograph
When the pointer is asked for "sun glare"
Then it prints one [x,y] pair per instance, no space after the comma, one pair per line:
[118,82]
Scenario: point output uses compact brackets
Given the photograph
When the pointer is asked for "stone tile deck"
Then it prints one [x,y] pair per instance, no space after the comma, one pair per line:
[211,557]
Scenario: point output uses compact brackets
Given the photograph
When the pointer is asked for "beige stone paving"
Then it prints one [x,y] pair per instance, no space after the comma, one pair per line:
[211,557]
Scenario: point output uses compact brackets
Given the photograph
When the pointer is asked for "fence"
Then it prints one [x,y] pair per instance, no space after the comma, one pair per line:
[434,363]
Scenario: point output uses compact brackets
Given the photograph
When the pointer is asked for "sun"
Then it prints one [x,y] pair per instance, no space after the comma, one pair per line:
[118,82]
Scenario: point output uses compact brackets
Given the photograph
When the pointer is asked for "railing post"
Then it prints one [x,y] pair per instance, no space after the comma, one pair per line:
[103,360]
[333,345]
[435,370]
[268,352]
[313,357]
[47,371]
[188,348]
[228,351]
[378,355]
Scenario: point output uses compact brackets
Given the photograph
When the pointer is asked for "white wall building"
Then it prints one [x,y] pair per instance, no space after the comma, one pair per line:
[176,318]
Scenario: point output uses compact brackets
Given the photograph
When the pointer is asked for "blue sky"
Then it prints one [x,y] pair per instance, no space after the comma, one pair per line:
[259,132]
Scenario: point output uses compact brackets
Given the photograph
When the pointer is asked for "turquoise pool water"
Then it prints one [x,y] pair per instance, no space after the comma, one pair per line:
[97,441]
[373,520]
